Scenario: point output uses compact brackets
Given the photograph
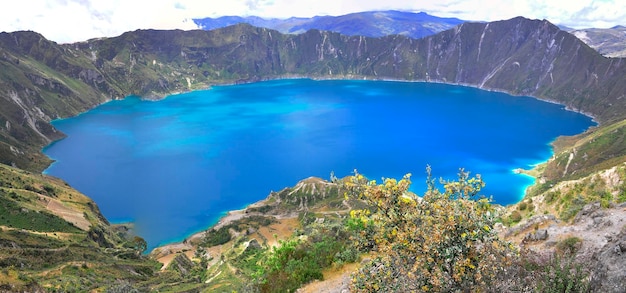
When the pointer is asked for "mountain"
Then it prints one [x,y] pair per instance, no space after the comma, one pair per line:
[367,24]
[42,80]
[54,237]
[610,42]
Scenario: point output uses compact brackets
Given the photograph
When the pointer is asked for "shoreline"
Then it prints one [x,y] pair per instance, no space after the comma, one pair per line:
[349,77]
[161,251]
[232,215]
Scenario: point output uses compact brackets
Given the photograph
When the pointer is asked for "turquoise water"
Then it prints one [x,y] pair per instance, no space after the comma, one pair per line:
[174,166]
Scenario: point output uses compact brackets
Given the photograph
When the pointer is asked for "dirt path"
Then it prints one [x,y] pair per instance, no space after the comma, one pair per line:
[335,281]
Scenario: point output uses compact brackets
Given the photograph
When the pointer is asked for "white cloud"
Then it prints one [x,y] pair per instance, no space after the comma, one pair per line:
[77,20]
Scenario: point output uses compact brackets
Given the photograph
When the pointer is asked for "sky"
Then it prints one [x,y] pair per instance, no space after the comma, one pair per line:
[66,21]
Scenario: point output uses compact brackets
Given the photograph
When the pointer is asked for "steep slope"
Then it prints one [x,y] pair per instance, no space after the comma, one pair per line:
[44,80]
[367,24]
[41,81]
[589,152]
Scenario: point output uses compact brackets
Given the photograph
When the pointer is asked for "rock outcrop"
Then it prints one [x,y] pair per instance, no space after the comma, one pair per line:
[608,264]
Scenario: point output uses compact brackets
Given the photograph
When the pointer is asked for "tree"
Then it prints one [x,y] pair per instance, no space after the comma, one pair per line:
[139,244]
[443,241]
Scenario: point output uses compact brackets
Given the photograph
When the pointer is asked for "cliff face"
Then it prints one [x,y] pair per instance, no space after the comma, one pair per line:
[42,80]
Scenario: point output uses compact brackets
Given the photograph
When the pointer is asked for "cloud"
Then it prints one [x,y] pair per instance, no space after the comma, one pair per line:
[600,14]
[78,20]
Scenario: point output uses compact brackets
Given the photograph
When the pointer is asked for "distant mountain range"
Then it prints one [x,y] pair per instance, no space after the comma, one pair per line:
[368,24]
[610,42]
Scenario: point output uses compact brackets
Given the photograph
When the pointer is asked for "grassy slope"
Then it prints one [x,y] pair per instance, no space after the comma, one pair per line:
[592,151]
[52,236]
[283,215]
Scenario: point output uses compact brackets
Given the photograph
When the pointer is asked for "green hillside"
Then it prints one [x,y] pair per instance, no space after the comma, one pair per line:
[54,238]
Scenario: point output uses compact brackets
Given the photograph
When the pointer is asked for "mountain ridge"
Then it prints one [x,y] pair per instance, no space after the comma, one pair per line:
[46,81]
[368,24]
[609,42]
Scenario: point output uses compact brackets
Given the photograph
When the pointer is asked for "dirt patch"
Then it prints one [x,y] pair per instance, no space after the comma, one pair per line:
[280,230]
[335,281]
[165,254]
[68,214]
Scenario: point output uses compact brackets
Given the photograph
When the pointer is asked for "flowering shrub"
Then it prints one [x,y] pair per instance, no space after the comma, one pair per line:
[443,241]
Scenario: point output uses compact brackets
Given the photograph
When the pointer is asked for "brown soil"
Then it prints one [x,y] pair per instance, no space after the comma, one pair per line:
[280,230]
[335,281]
[73,216]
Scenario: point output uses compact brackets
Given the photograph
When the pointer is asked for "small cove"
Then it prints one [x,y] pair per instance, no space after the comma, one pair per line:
[174,166]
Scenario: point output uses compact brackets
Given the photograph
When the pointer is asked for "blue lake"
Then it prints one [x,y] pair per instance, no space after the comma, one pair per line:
[174,166]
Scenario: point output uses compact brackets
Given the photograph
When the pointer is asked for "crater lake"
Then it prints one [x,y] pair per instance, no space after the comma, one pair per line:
[173,167]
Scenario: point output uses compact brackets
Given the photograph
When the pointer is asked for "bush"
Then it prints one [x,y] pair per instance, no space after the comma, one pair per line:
[537,272]
[563,276]
[288,266]
[300,260]
[442,242]
[348,255]
[552,196]
[515,217]
[216,237]
[569,246]
[571,209]
[522,206]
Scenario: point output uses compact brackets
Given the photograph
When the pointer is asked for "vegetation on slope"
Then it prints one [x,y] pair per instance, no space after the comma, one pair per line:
[565,198]
[451,232]
[441,242]
[80,251]
[589,152]
[444,241]
[54,238]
